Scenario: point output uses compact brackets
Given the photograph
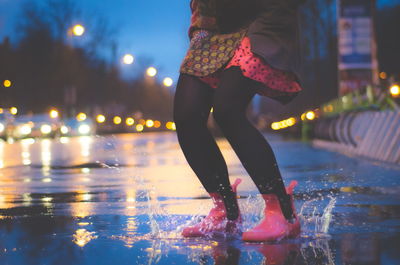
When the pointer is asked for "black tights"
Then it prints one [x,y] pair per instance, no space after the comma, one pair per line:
[192,105]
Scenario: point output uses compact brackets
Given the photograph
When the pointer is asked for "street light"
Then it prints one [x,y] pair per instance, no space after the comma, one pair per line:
[395,90]
[170,125]
[129,121]
[7,83]
[275,126]
[81,116]
[128,59]
[291,121]
[53,113]
[168,82]
[100,118]
[117,120]
[382,75]
[151,71]
[157,124]
[149,123]
[13,110]
[78,30]
[310,115]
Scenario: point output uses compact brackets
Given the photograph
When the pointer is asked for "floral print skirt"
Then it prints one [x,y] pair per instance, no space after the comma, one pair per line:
[274,83]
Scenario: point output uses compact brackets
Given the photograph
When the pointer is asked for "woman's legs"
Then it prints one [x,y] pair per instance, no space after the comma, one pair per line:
[230,103]
[192,105]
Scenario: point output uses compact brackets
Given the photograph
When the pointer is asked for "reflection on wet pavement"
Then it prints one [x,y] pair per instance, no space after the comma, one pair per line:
[124,200]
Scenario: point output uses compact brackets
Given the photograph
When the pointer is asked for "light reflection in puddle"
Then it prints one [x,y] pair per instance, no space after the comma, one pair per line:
[46,180]
[82,207]
[82,237]
[131,229]
[25,153]
[27,199]
[64,140]
[85,142]
[83,223]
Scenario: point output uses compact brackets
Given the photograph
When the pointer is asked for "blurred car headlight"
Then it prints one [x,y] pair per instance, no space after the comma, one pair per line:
[25,129]
[84,129]
[64,129]
[45,129]
[2,127]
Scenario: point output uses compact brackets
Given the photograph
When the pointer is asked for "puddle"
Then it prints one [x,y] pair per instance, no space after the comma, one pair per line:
[125,199]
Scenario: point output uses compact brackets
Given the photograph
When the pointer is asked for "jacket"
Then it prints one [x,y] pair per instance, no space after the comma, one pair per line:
[272,26]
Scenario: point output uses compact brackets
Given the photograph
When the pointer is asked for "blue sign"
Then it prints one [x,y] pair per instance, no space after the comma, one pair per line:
[355,35]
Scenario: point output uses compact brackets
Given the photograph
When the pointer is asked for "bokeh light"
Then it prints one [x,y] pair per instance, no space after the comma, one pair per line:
[168,125]
[81,116]
[13,110]
[149,123]
[395,90]
[45,129]
[53,113]
[100,118]
[78,30]
[7,83]
[129,121]
[168,82]
[84,129]
[25,129]
[127,59]
[151,71]
[64,129]
[275,126]
[310,115]
[117,120]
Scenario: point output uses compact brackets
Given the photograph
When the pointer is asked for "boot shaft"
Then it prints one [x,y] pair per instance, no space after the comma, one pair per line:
[271,203]
[218,199]
[283,205]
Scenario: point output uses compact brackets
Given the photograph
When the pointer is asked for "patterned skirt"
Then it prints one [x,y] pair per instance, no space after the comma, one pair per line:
[274,83]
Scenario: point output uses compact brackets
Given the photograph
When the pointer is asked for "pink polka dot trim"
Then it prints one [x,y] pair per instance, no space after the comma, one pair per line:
[276,82]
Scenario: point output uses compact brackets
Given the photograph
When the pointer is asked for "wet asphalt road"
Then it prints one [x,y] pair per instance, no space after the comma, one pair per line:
[124,200]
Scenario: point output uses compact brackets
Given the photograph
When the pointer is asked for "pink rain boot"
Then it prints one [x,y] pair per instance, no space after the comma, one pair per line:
[274,226]
[216,221]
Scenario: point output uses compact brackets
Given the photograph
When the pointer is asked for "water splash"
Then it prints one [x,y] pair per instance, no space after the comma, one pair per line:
[324,221]
[154,252]
[310,214]
[152,205]
[253,207]
[317,250]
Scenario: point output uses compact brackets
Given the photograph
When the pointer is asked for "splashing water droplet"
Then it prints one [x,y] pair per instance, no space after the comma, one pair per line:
[310,214]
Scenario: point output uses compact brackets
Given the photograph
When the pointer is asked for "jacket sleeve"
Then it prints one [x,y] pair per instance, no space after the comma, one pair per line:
[203,16]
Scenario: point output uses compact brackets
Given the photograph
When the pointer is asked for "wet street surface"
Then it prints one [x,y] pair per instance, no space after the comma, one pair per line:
[124,200]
